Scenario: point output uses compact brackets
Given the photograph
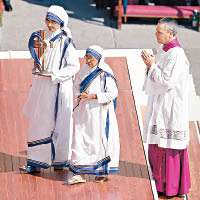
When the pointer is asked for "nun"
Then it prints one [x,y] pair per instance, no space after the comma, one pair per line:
[95,147]
[49,105]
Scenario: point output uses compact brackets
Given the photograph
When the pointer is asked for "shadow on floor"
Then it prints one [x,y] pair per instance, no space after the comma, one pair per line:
[84,10]
[10,163]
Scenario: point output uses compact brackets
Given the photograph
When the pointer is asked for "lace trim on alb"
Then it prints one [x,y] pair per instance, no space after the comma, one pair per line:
[168,133]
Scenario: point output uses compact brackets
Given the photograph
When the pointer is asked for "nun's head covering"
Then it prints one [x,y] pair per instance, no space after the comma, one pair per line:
[59,15]
[98,53]
[95,51]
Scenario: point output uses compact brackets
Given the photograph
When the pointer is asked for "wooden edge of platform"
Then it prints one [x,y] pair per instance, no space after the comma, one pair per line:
[197,126]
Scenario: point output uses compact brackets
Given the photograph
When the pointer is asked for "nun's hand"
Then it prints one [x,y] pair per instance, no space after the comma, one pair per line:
[85,96]
[45,75]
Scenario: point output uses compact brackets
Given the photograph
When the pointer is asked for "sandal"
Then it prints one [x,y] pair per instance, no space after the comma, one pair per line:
[181,195]
[76,179]
[29,169]
[100,179]
[59,168]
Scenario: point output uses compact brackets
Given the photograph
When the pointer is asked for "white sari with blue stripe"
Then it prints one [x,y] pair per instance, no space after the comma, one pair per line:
[49,137]
[93,150]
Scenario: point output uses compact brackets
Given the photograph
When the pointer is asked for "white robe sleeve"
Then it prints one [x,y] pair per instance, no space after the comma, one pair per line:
[76,88]
[170,73]
[73,66]
[111,92]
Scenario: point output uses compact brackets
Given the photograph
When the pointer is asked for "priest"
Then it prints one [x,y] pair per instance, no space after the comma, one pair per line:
[166,125]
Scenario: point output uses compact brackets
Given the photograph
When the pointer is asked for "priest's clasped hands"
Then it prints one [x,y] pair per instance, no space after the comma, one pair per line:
[148,59]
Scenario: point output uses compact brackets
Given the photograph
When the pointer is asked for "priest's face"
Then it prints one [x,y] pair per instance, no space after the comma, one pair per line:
[52,25]
[91,60]
[163,36]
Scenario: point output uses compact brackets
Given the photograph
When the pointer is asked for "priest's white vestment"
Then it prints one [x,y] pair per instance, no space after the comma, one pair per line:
[166,84]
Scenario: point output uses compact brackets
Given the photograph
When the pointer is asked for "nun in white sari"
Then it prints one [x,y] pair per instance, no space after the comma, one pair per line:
[95,147]
[50,102]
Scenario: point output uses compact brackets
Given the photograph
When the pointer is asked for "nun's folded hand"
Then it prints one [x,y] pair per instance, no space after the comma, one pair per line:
[45,75]
[85,96]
